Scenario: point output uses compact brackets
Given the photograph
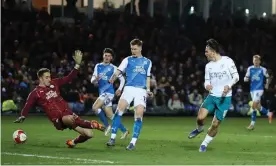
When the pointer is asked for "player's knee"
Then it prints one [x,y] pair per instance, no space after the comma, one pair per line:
[122,105]
[95,108]
[120,109]
[89,133]
[140,109]
[68,120]
[255,105]
[110,116]
[202,114]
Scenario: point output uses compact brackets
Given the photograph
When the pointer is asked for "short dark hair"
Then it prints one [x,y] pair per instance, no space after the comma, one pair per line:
[136,42]
[213,44]
[108,50]
[41,71]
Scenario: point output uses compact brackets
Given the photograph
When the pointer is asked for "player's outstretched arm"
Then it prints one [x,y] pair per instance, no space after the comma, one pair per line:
[95,76]
[28,105]
[247,75]
[121,86]
[119,71]
[115,76]
[78,58]
[122,82]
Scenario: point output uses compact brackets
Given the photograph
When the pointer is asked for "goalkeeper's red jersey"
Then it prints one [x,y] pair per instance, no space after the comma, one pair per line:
[48,98]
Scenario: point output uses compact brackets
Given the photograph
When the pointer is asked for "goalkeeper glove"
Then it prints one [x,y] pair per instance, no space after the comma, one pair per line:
[78,57]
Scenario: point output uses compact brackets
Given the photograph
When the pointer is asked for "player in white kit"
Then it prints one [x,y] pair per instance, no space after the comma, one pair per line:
[220,75]
[137,89]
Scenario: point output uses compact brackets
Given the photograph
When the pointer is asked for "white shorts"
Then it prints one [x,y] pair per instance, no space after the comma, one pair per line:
[139,96]
[107,99]
[256,95]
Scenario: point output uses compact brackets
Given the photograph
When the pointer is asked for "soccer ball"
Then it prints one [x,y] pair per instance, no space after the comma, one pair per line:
[19,137]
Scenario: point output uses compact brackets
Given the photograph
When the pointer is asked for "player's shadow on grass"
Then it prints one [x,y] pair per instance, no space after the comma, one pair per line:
[192,147]
[149,145]
[65,147]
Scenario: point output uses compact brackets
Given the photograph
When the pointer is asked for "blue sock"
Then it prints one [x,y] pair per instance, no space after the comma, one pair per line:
[122,128]
[115,124]
[264,111]
[253,116]
[137,128]
[103,118]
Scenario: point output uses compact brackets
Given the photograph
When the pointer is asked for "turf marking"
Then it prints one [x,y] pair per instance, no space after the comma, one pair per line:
[60,158]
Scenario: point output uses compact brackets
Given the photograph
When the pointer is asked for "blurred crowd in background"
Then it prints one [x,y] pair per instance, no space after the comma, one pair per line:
[32,40]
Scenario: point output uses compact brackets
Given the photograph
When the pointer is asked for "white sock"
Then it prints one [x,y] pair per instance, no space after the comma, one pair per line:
[252,123]
[120,113]
[113,136]
[74,142]
[133,141]
[200,128]
[99,111]
[207,140]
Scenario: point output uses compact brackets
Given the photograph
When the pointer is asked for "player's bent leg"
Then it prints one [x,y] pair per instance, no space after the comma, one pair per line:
[109,113]
[98,111]
[212,132]
[206,107]
[266,112]
[69,120]
[138,117]
[85,134]
[122,105]
[202,114]
[72,120]
[253,115]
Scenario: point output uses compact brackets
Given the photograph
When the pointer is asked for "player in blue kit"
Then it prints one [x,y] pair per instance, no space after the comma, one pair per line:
[102,73]
[137,89]
[256,75]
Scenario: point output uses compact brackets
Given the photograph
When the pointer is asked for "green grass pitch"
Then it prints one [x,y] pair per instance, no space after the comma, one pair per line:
[163,140]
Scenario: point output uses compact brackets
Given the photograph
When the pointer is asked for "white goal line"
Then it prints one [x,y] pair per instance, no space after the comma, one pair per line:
[60,158]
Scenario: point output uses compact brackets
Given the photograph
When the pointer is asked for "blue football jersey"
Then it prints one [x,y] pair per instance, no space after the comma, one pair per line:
[137,70]
[256,76]
[104,72]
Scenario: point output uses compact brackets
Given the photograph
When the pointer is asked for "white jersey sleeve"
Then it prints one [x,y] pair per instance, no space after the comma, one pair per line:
[123,65]
[233,71]
[247,75]
[95,73]
[207,77]
[149,69]
[121,78]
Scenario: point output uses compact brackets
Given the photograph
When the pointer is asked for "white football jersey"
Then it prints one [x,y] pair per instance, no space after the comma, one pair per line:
[219,74]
